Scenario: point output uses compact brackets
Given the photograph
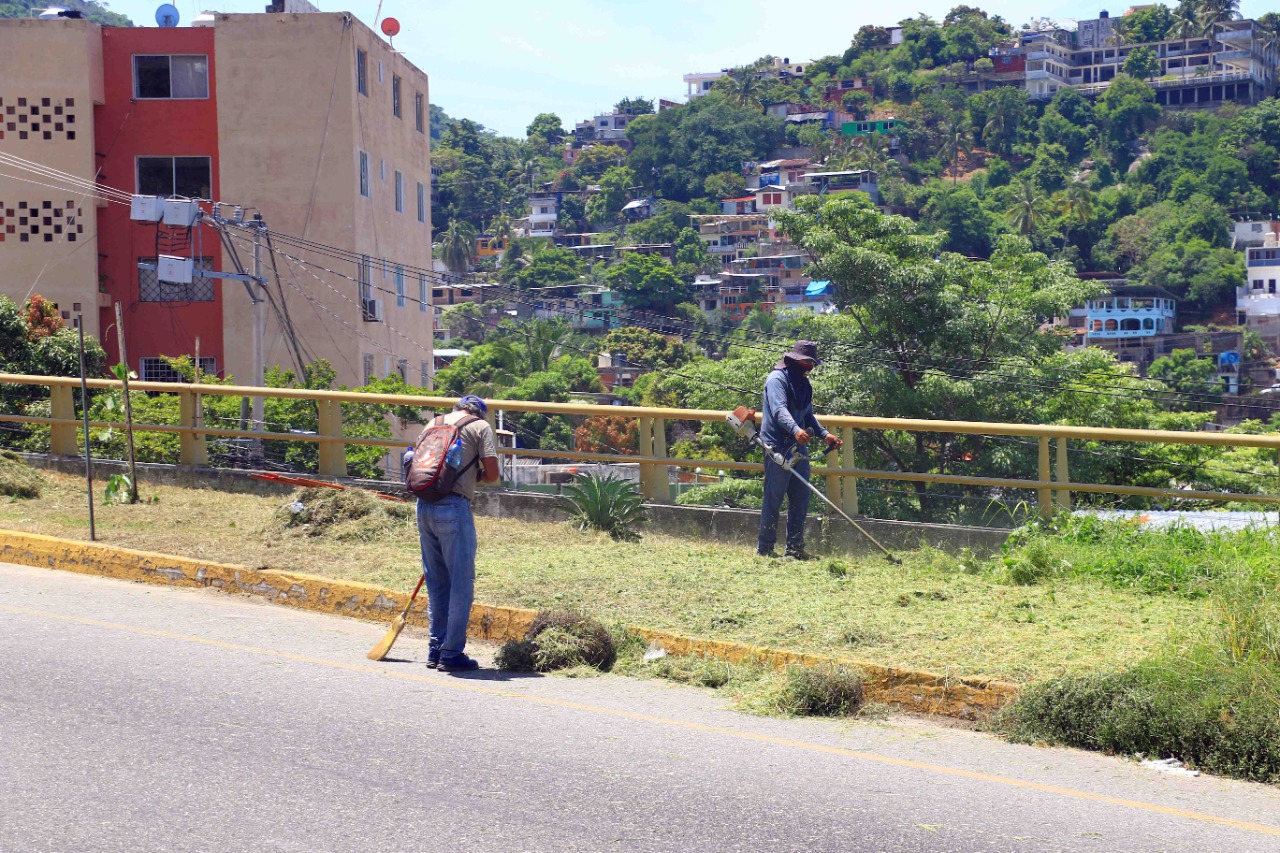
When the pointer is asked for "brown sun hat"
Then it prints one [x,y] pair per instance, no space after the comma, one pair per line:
[800,351]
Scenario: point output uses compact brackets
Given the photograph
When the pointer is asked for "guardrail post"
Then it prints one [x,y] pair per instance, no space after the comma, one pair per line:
[661,473]
[62,405]
[333,454]
[646,448]
[1044,494]
[849,490]
[193,448]
[833,480]
[1064,476]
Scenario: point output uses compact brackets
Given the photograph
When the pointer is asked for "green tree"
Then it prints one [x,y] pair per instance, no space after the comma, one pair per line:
[1076,206]
[1183,372]
[546,129]
[594,160]
[742,87]
[1000,113]
[615,187]
[1142,63]
[647,348]
[857,103]
[725,185]
[635,106]
[552,267]
[691,255]
[647,282]
[1214,13]
[466,321]
[957,142]
[1126,109]
[969,226]
[457,246]
[1147,24]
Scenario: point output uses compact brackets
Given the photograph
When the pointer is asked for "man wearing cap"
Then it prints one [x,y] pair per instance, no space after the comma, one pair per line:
[447,534]
[788,421]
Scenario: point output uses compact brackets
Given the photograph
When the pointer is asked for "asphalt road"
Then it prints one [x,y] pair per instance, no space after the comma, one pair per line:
[137,718]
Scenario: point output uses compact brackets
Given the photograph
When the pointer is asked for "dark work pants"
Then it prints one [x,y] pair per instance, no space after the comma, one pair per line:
[777,485]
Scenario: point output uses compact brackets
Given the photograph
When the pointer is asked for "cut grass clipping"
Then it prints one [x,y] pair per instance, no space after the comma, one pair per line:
[354,515]
[17,478]
[559,640]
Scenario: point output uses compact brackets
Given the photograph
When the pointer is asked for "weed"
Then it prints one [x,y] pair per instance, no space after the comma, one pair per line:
[118,489]
[861,637]
[17,478]
[732,493]
[836,568]
[607,504]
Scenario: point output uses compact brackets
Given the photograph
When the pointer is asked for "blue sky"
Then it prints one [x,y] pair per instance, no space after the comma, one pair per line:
[502,62]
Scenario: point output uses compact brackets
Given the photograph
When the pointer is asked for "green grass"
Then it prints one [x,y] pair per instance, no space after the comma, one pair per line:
[949,614]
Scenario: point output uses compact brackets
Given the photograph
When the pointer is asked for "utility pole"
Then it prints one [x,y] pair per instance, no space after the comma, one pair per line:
[259,324]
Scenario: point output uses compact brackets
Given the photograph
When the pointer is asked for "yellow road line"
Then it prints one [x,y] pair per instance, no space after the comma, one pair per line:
[472,687]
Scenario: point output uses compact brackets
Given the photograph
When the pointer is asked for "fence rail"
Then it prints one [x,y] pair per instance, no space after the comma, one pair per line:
[1053,485]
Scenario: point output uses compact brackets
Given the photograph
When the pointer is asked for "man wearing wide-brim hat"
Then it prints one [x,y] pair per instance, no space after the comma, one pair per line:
[788,422]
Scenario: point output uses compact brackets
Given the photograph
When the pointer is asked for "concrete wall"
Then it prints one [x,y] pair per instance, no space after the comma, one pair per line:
[291,124]
[50,74]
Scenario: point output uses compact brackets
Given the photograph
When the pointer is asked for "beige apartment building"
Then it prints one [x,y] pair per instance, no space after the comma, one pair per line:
[310,119]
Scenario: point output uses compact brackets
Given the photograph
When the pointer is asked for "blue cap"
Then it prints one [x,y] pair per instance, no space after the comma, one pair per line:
[474,403]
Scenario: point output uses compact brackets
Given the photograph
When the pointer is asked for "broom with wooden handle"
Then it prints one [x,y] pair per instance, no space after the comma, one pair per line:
[379,651]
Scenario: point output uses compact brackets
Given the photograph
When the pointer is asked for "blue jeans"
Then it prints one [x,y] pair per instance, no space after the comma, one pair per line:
[777,485]
[447,533]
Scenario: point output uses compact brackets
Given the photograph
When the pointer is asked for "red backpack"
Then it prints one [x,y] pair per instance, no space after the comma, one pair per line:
[430,478]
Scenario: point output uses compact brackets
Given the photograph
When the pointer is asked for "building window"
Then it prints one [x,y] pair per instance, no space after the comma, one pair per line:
[365,275]
[399,192]
[1110,325]
[395,95]
[368,368]
[422,203]
[419,112]
[176,77]
[423,301]
[402,367]
[362,72]
[189,177]
[399,287]
[159,370]
[364,174]
[152,289]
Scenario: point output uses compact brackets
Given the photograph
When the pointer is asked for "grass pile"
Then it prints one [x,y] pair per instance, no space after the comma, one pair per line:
[353,515]
[559,640]
[17,478]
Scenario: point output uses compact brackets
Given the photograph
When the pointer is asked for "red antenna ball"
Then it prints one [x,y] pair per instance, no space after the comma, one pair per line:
[390,27]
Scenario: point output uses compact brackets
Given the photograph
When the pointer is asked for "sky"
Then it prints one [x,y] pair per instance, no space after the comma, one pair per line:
[502,62]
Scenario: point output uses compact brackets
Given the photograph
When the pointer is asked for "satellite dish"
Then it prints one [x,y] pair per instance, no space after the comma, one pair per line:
[390,27]
[167,15]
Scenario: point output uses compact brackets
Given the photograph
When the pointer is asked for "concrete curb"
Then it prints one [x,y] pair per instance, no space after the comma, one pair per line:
[923,692]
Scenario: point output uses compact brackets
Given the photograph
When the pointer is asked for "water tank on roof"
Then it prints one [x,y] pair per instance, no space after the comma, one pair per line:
[1104,14]
[204,19]
[55,12]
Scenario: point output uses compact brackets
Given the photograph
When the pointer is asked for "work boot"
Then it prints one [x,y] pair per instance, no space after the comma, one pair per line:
[766,552]
[798,554]
[458,663]
[433,657]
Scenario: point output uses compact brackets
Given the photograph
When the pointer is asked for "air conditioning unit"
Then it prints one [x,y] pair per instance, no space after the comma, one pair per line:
[371,309]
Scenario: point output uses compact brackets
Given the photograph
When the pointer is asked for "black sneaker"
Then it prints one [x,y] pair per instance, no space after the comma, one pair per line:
[798,554]
[766,552]
[433,658]
[458,663]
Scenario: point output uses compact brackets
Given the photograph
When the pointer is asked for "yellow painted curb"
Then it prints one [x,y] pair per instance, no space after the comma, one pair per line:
[965,698]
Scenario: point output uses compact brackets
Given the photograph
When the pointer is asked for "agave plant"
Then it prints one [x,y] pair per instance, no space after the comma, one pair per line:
[605,503]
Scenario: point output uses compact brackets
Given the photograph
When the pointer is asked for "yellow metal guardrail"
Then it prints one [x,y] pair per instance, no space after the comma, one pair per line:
[1053,485]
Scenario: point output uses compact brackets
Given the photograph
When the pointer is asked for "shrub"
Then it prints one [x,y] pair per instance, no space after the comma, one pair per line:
[735,494]
[559,640]
[17,478]
[607,504]
[827,690]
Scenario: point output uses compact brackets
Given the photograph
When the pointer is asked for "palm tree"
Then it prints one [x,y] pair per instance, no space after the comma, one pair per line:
[957,141]
[1186,24]
[1215,12]
[457,245]
[743,88]
[1077,206]
[501,229]
[1028,208]
[543,343]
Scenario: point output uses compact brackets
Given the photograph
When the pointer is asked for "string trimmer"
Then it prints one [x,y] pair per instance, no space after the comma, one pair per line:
[742,421]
